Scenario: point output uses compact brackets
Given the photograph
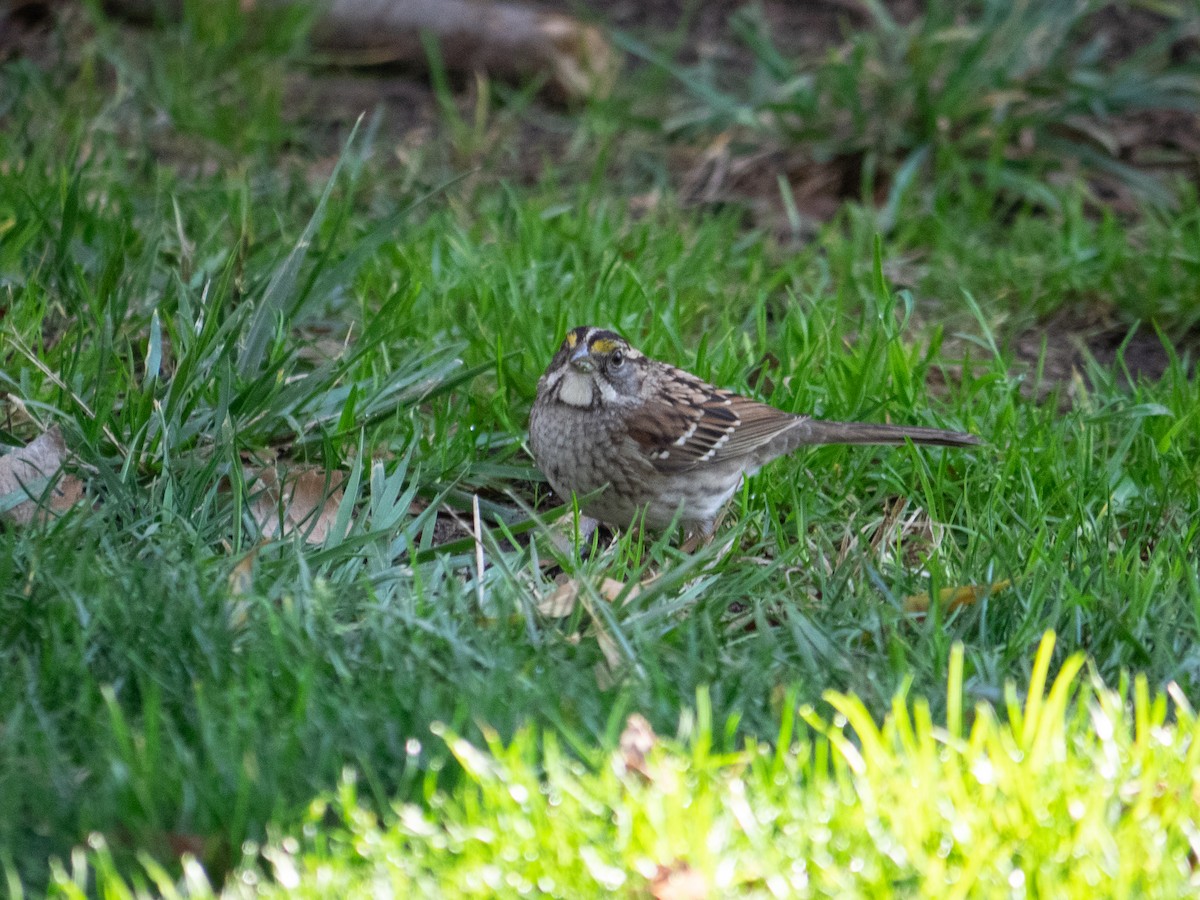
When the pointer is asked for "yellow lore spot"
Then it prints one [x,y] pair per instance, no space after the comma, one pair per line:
[572,339]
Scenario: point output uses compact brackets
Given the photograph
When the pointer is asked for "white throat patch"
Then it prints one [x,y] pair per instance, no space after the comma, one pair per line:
[576,389]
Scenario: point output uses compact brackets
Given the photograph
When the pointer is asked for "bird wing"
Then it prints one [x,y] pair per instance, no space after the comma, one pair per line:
[698,424]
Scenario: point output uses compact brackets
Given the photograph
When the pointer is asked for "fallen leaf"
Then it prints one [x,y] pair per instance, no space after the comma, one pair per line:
[952,598]
[25,473]
[678,881]
[606,671]
[611,589]
[241,580]
[636,742]
[307,503]
[567,593]
[560,602]
[610,649]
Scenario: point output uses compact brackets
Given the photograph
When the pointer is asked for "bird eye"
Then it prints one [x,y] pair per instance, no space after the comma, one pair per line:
[616,359]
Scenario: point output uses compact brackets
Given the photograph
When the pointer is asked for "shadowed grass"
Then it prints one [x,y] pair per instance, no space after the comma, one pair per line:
[998,95]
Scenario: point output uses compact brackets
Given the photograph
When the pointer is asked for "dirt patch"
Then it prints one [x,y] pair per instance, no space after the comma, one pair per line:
[335,99]
[1140,351]
[27,30]
[1054,355]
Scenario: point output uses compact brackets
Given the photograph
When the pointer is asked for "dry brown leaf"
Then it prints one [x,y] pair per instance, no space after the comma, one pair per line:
[636,742]
[567,593]
[678,881]
[27,471]
[307,503]
[605,677]
[560,602]
[610,589]
[606,671]
[241,579]
[951,598]
[608,646]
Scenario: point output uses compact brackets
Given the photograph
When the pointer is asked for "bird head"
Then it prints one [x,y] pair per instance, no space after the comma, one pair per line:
[592,366]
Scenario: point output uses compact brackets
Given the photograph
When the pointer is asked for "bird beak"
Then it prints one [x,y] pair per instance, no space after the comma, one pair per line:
[581,359]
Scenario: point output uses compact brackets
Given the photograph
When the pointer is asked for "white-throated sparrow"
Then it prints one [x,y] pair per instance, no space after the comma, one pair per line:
[640,441]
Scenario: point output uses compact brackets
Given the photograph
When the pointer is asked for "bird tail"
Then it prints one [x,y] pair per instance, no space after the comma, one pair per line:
[820,431]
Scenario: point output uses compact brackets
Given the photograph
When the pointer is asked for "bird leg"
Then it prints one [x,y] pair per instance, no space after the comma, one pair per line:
[700,534]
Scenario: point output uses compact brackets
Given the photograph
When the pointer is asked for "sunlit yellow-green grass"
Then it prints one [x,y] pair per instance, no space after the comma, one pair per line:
[1082,792]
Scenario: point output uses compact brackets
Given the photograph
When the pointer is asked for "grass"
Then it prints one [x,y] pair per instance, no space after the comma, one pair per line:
[176,685]
[1007,95]
[1081,791]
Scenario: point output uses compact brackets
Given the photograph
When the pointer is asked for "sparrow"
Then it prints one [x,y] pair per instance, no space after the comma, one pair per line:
[639,441]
